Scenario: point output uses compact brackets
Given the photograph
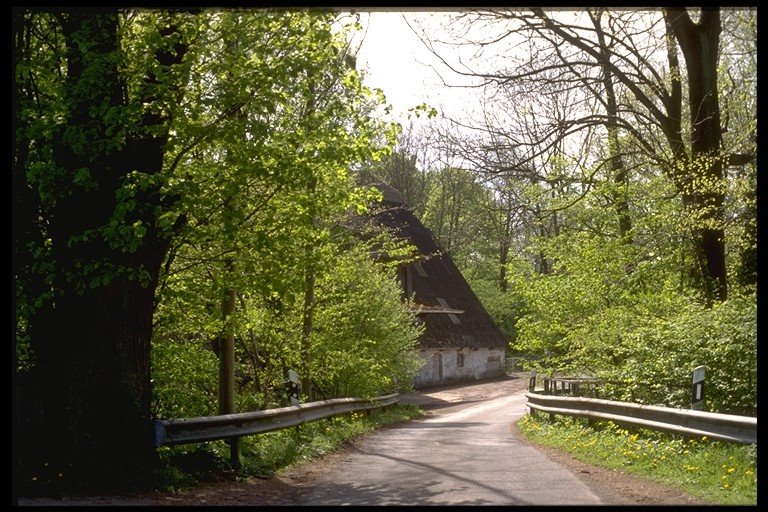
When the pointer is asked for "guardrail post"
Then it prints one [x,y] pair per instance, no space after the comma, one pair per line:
[546,386]
[697,389]
[532,382]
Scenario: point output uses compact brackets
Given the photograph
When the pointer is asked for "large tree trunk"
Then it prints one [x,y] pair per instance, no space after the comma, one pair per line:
[96,388]
[26,235]
[700,45]
[93,354]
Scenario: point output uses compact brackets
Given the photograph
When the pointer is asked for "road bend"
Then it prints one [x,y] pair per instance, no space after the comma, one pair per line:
[467,457]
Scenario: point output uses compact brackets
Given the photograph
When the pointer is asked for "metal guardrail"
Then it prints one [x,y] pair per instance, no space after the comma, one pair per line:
[209,428]
[725,427]
[574,386]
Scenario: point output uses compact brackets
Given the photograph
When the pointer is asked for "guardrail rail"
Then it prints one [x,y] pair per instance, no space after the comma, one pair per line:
[725,427]
[209,428]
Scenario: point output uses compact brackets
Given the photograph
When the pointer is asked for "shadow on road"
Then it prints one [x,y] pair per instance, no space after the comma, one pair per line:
[412,493]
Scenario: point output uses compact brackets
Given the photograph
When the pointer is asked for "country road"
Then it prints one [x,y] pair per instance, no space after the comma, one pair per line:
[468,457]
[465,451]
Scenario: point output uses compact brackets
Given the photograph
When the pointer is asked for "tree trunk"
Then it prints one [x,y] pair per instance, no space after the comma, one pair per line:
[227,366]
[504,244]
[308,308]
[699,43]
[27,236]
[96,393]
[226,351]
[619,173]
[306,327]
[93,356]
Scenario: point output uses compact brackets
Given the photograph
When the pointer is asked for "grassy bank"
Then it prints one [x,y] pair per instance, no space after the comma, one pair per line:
[718,472]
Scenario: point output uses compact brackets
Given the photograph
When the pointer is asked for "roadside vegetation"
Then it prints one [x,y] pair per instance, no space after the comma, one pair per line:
[261,455]
[265,454]
[719,472]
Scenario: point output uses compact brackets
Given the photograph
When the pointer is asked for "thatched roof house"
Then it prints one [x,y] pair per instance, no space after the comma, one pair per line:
[461,341]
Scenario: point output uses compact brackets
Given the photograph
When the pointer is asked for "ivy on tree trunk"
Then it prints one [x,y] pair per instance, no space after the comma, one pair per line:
[92,343]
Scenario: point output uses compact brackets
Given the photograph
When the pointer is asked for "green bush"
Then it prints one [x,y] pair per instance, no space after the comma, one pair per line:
[365,338]
[184,380]
[661,355]
[608,313]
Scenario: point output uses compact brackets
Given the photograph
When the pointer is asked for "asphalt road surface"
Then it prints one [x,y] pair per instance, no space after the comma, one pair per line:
[463,457]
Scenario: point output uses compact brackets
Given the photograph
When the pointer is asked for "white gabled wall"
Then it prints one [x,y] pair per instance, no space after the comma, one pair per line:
[443,366]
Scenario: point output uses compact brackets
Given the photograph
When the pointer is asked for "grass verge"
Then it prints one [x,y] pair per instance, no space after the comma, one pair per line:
[718,472]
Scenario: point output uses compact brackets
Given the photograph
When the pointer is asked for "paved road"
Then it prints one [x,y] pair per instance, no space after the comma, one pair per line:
[467,457]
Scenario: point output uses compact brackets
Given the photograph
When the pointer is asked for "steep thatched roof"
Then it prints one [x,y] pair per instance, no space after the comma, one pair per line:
[452,313]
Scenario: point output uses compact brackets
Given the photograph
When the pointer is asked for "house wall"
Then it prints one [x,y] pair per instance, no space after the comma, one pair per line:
[446,365]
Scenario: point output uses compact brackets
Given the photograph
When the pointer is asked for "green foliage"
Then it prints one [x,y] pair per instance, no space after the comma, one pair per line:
[454,210]
[363,343]
[365,337]
[258,127]
[718,472]
[607,313]
[665,351]
[184,380]
[262,174]
[504,306]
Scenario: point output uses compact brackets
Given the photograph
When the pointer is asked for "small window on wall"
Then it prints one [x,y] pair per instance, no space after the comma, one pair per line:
[460,359]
